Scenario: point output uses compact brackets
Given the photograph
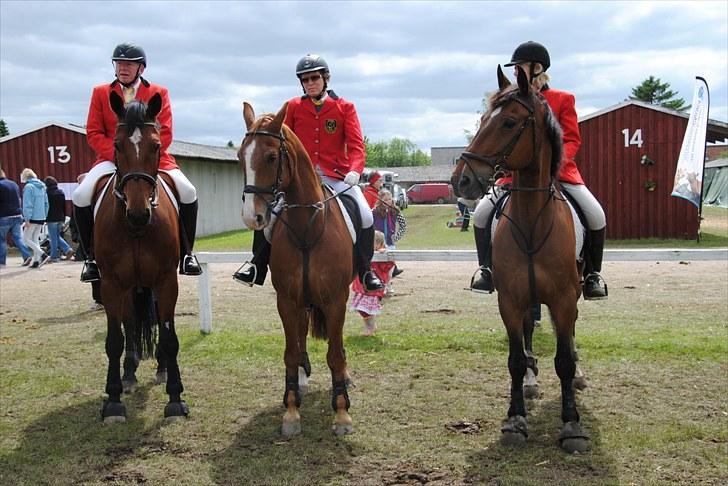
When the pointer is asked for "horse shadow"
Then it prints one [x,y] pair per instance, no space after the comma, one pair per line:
[74,443]
[540,460]
[260,455]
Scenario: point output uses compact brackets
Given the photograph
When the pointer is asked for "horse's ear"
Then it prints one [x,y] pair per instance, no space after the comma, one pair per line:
[502,79]
[117,105]
[248,114]
[154,106]
[523,84]
[278,120]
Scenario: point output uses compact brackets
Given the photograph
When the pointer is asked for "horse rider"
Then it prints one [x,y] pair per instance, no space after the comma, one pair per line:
[129,62]
[534,59]
[329,129]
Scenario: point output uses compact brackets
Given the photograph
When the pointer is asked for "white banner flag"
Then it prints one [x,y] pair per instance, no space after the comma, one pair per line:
[689,172]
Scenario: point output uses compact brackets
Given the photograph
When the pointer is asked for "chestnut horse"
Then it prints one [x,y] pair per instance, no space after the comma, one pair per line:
[136,242]
[534,247]
[311,255]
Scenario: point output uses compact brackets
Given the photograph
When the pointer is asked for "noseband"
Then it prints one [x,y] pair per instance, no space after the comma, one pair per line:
[132,176]
[499,161]
[282,154]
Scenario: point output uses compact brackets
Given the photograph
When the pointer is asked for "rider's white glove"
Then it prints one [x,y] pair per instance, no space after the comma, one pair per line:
[352,178]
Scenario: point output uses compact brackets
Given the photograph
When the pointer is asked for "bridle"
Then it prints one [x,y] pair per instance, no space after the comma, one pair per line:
[282,154]
[499,161]
[137,175]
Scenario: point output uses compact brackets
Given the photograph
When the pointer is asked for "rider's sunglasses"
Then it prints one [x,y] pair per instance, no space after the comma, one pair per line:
[313,78]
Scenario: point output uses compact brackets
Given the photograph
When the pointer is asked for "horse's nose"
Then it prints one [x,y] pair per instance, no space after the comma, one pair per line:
[139,218]
[259,219]
[464,183]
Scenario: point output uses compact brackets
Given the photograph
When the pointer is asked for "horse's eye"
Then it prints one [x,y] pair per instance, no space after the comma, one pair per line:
[509,123]
[271,158]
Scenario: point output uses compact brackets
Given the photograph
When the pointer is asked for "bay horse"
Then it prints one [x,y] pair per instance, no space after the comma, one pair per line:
[311,256]
[534,245]
[136,242]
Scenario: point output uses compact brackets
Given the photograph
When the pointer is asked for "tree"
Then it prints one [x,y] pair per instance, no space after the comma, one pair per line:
[398,152]
[3,128]
[483,108]
[654,91]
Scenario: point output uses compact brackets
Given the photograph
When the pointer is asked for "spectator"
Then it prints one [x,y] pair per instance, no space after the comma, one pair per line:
[11,220]
[465,212]
[56,219]
[389,220]
[371,192]
[35,210]
[369,303]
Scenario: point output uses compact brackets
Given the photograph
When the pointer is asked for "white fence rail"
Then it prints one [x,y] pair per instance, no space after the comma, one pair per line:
[204,291]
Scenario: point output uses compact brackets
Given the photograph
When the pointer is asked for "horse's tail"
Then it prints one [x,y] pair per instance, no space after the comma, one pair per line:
[317,321]
[145,321]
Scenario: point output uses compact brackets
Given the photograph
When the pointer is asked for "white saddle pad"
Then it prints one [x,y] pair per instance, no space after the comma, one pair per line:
[328,191]
[578,228]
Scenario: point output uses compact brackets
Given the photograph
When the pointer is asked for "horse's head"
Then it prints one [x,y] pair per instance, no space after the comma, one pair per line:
[136,153]
[508,138]
[265,162]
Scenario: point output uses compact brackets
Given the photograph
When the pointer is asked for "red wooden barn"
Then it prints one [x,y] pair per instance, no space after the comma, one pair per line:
[628,158]
[53,149]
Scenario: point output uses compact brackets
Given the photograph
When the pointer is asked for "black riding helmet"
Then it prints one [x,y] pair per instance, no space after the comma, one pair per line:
[129,51]
[531,52]
[311,63]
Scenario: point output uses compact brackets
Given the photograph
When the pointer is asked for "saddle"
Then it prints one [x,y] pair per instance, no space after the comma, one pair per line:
[580,225]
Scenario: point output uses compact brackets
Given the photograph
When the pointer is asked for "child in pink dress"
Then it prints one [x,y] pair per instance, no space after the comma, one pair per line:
[369,304]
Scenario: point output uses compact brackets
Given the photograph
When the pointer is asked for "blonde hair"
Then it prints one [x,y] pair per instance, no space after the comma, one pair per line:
[378,240]
[540,78]
[27,174]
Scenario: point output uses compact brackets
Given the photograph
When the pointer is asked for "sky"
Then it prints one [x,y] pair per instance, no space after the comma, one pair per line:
[415,70]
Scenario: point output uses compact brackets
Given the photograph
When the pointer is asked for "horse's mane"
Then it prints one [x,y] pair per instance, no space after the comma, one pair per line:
[135,115]
[553,129]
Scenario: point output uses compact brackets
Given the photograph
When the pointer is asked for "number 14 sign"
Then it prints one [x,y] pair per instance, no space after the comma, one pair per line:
[635,139]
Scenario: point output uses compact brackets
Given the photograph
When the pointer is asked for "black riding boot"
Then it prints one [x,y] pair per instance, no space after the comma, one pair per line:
[484,283]
[84,218]
[595,288]
[188,264]
[254,272]
[364,249]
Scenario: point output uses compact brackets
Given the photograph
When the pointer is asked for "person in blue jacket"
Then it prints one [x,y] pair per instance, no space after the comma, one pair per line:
[35,211]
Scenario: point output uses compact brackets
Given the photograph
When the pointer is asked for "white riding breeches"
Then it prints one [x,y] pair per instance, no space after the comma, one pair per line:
[365,211]
[589,205]
[85,191]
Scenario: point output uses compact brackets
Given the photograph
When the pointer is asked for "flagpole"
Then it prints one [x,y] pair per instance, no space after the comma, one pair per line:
[705,148]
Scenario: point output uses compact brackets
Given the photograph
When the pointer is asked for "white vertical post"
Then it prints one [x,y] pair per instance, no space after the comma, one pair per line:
[204,296]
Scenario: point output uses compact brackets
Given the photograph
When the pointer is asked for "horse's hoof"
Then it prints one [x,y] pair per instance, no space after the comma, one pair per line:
[129,386]
[343,429]
[112,412]
[160,378]
[176,411]
[573,438]
[115,419]
[530,392]
[579,383]
[289,429]
[514,430]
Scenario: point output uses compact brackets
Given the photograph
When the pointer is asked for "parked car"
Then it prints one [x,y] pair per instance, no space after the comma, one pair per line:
[439,193]
[399,193]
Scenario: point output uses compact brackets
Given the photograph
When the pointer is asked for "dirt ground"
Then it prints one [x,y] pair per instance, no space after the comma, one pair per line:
[435,287]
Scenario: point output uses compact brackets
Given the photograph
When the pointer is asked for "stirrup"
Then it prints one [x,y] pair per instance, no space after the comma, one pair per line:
[595,279]
[479,275]
[90,272]
[241,277]
[187,260]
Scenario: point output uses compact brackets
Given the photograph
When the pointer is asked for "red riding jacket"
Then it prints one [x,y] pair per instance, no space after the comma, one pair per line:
[332,136]
[101,123]
[563,105]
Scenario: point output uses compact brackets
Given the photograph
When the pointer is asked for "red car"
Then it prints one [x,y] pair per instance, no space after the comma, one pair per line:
[439,193]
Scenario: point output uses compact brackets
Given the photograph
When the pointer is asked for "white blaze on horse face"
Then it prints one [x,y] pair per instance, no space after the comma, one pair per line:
[492,115]
[136,138]
[249,205]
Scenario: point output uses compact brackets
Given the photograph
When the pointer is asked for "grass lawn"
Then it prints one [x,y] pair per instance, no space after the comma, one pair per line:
[427,229]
